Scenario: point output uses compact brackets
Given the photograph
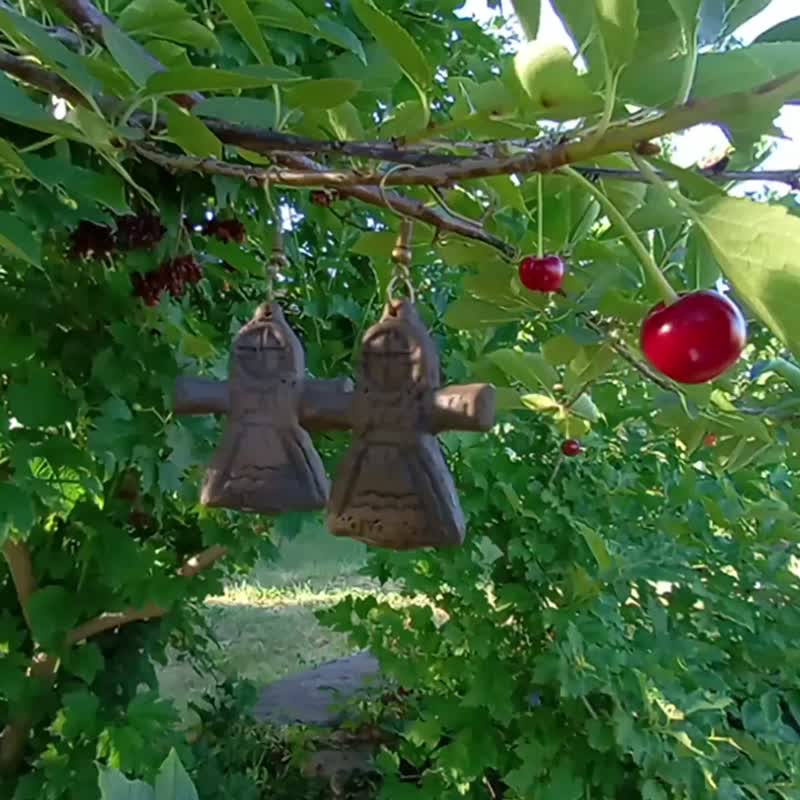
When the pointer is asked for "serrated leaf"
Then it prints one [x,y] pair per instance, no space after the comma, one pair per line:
[16,510]
[323,93]
[244,21]
[128,55]
[530,369]
[10,157]
[758,248]
[19,239]
[397,40]
[617,22]
[41,401]
[258,112]
[85,661]
[467,313]
[53,612]
[204,79]
[173,782]
[191,134]
[114,785]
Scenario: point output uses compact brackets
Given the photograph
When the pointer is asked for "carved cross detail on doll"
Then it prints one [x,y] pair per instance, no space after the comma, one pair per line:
[393,488]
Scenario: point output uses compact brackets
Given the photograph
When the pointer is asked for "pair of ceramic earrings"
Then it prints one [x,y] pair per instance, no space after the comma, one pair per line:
[393,489]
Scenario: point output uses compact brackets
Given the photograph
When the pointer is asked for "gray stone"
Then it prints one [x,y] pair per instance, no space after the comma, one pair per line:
[315,697]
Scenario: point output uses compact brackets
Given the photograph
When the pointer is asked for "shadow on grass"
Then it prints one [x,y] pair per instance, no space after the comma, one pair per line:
[265,625]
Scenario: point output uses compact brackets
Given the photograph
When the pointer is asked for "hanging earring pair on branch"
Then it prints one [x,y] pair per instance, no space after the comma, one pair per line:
[393,488]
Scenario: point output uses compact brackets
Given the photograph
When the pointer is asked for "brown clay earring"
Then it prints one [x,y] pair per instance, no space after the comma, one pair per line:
[394,489]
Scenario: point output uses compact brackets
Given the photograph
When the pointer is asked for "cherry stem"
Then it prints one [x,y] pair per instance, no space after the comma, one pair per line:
[690,70]
[540,214]
[615,215]
[656,180]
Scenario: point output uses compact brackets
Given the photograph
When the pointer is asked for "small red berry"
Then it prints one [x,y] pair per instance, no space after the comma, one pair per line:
[571,448]
[323,198]
[695,339]
[544,274]
[710,440]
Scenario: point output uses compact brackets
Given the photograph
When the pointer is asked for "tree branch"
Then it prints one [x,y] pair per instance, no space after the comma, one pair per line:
[306,173]
[91,21]
[116,619]
[20,563]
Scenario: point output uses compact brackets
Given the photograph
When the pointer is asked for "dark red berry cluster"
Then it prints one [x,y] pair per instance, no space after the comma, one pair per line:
[90,240]
[134,232]
[172,276]
[227,230]
[139,232]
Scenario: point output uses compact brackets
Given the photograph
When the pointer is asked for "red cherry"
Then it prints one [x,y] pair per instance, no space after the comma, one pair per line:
[710,440]
[695,339]
[544,274]
[571,448]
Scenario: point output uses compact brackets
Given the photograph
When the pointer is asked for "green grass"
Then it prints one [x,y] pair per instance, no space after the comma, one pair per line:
[265,625]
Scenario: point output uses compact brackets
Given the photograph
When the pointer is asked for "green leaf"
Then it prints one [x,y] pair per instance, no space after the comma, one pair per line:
[346,122]
[128,55]
[10,157]
[530,369]
[258,112]
[627,196]
[408,117]
[322,93]
[467,313]
[166,19]
[70,66]
[737,70]
[550,79]
[339,35]
[284,14]
[191,134]
[40,402]
[173,782]
[17,106]
[19,239]
[528,13]
[539,402]
[114,785]
[16,510]
[85,661]
[688,13]
[376,244]
[204,79]
[617,21]
[79,715]
[701,268]
[758,248]
[53,611]
[560,349]
[786,31]
[244,21]
[397,40]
